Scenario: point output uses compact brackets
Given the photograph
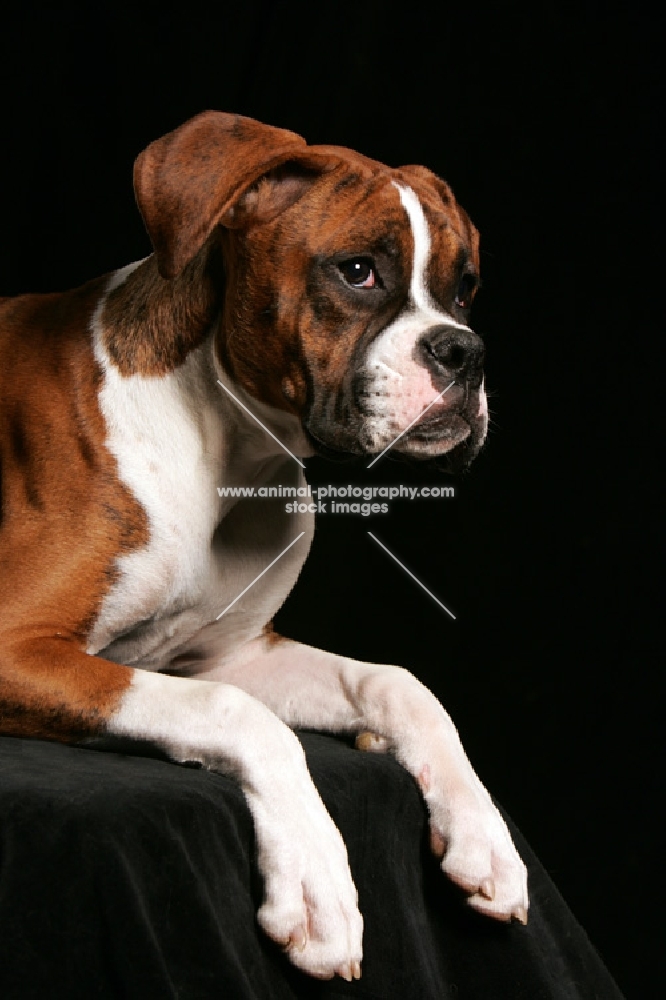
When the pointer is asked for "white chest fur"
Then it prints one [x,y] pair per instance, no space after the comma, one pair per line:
[176,439]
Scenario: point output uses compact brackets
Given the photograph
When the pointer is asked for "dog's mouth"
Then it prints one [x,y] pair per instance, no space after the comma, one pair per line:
[461,456]
[448,439]
[442,429]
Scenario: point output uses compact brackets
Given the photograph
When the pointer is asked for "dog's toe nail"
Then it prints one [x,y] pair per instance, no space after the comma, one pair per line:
[520,913]
[487,888]
[424,779]
[298,938]
[437,843]
[346,972]
[356,970]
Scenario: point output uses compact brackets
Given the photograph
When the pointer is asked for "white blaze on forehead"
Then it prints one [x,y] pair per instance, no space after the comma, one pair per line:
[418,288]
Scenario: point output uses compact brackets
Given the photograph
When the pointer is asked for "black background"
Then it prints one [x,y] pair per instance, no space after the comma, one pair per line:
[543,120]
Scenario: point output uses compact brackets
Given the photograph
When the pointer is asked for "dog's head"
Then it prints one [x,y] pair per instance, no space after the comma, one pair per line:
[357,279]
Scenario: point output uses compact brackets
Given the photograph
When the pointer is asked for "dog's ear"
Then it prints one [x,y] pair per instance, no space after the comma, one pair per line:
[215,169]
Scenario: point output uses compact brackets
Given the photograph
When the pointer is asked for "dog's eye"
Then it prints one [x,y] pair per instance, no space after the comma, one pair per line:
[465,291]
[359,272]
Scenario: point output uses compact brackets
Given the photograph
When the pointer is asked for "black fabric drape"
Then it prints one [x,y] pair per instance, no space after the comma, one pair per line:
[132,877]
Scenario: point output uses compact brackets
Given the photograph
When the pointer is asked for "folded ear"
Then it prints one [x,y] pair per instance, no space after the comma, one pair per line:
[205,173]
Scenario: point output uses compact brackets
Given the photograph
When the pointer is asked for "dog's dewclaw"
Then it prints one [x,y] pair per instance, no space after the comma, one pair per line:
[372,743]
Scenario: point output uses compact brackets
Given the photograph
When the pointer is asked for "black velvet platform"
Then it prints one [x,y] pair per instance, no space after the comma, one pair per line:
[129,877]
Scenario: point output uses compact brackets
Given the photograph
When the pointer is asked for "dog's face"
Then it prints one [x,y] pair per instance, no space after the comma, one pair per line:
[348,291]
[361,293]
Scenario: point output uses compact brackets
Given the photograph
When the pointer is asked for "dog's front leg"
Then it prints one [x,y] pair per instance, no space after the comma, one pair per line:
[50,688]
[310,904]
[392,710]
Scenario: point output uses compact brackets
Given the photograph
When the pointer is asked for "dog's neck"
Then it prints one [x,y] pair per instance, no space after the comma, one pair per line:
[151,324]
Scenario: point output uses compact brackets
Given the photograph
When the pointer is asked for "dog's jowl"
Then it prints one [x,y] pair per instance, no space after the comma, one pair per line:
[300,299]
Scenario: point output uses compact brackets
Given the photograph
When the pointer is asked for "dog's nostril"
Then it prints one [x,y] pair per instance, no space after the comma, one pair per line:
[457,357]
[452,356]
[454,350]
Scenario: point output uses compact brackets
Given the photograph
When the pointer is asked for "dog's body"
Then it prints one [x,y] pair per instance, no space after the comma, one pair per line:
[329,294]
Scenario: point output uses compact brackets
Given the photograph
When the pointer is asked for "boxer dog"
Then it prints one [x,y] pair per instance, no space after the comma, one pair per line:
[329,297]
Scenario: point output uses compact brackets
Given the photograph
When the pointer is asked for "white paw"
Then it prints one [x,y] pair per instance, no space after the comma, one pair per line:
[468,833]
[310,905]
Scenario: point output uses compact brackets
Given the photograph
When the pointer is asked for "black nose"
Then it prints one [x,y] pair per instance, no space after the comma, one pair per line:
[454,352]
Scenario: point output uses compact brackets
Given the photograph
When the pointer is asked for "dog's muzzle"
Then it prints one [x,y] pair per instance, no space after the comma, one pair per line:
[452,356]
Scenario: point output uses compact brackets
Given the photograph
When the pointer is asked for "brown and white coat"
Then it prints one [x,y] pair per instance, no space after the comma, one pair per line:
[330,294]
